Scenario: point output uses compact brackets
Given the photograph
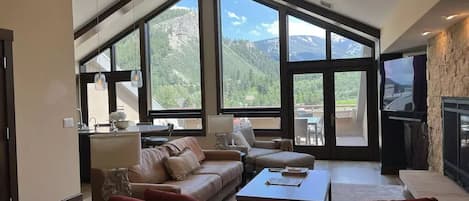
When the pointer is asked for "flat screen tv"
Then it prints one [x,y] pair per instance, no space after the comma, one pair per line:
[405,84]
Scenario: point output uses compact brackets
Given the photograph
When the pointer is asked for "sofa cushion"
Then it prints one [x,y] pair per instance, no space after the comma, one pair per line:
[200,186]
[178,145]
[256,152]
[248,133]
[283,159]
[156,195]
[227,170]
[151,168]
[182,165]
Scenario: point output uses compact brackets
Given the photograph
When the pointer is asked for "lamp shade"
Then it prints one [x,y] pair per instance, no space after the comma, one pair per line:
[109,151]
[220,123]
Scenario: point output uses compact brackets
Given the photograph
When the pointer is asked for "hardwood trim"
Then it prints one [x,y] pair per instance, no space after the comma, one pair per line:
[7,35]
[202,66]
[218,55]
[284,79]
[375,32]
[100,18]
[144,100]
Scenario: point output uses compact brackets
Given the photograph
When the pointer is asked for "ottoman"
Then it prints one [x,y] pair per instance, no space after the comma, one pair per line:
[283,159]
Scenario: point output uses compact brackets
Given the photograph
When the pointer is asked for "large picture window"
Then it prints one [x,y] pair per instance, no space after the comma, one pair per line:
[175,58]
[250,55]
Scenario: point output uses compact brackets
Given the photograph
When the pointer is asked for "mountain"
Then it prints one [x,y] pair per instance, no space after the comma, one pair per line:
[311,48]
[251,70]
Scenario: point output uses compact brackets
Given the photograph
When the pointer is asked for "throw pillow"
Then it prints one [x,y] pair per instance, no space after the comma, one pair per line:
[240,140]
[248,134]
[122,198]
[156,195]
[182,165]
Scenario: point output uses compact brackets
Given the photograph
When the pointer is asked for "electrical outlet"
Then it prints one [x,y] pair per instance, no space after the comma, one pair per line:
[68,122]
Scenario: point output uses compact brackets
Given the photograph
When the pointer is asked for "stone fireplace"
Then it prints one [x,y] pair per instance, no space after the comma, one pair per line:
[448,76]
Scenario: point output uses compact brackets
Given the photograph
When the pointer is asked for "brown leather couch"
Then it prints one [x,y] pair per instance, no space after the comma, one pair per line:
[219,176]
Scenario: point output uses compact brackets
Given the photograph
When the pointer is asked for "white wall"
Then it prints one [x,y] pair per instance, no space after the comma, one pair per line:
[406,14]
[48,165]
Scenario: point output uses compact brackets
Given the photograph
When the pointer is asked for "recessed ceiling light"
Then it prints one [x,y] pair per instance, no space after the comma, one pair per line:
[426,33]
[450,17]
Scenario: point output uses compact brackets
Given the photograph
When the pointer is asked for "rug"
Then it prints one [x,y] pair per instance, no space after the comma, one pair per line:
[363,192]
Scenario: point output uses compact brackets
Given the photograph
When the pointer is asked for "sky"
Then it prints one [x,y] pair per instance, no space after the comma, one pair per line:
[400,70]
[249,20]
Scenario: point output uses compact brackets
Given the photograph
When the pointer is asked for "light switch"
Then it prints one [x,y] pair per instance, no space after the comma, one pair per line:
[69,122]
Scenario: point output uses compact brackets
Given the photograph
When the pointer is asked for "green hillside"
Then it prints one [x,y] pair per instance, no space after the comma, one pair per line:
[251,77]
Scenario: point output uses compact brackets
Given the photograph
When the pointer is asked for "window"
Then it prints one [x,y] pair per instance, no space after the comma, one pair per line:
[98,104]
[127,100]
[175,68]
[101,62]
[344,48]
[128,52]
[306,42]
[250,55]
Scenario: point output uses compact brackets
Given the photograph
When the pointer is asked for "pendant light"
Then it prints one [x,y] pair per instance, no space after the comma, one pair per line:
[100,82]
[99,78]
[136,74]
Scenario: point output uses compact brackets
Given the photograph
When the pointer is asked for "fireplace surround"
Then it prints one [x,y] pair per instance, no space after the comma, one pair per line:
[455,113]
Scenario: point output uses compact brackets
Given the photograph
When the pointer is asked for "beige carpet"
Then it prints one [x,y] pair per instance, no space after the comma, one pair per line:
[361,192]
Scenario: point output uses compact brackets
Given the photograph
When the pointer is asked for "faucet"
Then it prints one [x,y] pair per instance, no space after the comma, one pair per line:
[81,124]
[96,125]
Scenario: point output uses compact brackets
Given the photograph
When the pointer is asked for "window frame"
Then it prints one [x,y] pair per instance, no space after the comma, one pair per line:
[144,93]
[287,66]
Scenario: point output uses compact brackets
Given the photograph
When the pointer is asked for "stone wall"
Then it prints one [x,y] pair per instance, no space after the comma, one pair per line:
[448,75]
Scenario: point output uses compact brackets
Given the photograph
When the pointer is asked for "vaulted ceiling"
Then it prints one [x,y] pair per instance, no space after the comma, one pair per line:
[400,21]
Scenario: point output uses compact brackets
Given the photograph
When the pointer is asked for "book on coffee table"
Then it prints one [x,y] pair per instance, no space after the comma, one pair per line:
[284,181]
[295,171]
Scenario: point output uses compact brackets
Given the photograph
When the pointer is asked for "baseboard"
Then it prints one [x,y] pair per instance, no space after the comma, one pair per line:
[78,197]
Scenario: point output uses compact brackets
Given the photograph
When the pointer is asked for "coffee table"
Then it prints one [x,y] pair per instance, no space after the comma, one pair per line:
[315,187]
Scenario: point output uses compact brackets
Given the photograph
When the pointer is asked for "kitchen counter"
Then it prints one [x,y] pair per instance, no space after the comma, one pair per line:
[84,143]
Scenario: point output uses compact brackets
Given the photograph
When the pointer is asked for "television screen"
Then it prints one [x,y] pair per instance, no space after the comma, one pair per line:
[404,81]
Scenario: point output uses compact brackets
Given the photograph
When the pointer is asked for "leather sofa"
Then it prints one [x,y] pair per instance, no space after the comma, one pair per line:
[219,176]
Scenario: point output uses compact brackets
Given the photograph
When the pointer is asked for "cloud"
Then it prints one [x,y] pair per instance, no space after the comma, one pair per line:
[296,27]
[271,28]
[238,20]
[255,33]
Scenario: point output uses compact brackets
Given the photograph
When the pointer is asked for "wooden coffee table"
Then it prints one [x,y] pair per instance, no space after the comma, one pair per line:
[315,187]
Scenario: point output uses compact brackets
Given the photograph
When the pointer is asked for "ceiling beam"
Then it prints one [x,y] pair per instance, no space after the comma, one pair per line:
[324,12]
[101,17]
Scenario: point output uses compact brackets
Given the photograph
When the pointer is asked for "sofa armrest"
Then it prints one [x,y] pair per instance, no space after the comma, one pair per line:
[138,189]
[218,155]
[267,145]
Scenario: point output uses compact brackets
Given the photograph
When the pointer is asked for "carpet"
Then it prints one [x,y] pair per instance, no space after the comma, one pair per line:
[363,192]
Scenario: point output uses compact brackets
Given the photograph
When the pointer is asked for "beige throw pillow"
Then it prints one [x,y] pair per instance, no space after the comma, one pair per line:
[179,167]
[240,140]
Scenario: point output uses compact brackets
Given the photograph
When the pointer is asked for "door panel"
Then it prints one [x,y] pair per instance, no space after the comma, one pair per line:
[351,122]
[4,156]
[308,96]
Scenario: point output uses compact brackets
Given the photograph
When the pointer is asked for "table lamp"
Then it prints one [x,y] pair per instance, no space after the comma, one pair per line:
[114,154]
[220,124]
